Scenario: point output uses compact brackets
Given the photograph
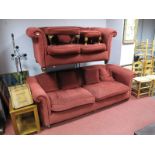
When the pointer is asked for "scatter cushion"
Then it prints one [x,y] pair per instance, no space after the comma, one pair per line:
[48,81]
[105,74]
[64,39]
[69,79]
[91,75]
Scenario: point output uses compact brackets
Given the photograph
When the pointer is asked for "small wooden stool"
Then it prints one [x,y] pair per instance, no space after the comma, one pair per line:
[25,120]
[152,78]
[141,86]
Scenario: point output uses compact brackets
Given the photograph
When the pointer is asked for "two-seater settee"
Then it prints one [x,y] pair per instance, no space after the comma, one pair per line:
[55,46]
[63,95]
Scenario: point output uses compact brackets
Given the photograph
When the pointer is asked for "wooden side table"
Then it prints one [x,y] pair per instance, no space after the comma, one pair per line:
[141,86]
[25,120]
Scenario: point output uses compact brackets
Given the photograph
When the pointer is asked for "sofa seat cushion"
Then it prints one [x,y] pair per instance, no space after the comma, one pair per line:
[67,99]
[58,50]
[93,48]
[105,90]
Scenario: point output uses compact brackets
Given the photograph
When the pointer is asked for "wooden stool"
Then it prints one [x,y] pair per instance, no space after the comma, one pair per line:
[141,86]
[25,120]
[152,78]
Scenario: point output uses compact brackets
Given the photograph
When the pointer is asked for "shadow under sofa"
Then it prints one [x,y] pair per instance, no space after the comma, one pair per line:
[63,95]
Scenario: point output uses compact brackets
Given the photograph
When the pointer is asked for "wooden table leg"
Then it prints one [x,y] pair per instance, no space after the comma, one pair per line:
[37,119]
[139,86]
[13,117]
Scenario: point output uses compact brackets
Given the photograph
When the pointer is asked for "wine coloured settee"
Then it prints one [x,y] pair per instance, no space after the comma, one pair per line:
[63,95]
[70,45]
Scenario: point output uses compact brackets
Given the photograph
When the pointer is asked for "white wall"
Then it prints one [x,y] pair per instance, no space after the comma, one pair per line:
[146,29]
[127,54]
[117,24]
[18,27]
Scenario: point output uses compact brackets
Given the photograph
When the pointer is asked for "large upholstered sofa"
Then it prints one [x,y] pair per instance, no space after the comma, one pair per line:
[70,45]
[63,95]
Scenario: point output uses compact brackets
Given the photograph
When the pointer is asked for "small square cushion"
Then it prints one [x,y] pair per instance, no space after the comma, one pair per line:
[91,75]
[48,81]
[65,39]
[105,74]
[69,79]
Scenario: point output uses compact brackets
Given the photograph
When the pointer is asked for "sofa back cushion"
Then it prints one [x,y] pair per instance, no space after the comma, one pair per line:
[69,79]
[48,81]
[105,74]
[64,39]
[91,75]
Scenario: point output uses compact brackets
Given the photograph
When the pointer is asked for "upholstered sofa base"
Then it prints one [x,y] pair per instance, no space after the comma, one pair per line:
[74,112]
[56,104]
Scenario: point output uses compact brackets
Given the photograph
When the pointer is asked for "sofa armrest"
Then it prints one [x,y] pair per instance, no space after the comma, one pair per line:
[107,34]
[34,32]
[39,44]
[121,74]
[41,98]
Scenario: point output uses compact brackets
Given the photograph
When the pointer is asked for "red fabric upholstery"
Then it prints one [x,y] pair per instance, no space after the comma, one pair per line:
[69,79]
[107,34]
[59,105]
[121,74]
[40,97]
[67,99]
[62,30]
[65,39]
[93,48]
[56,117]
[90,33]
[63,50]
[106,89]
[91,75]
[105,74]
[48,56]
[48,81]
[39,44]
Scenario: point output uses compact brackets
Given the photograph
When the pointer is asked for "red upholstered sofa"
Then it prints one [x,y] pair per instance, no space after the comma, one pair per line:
[67,94]
[69,45]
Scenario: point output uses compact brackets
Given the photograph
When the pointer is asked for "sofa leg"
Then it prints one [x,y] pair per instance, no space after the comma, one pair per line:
[43,69]
[106,61]
[48,126]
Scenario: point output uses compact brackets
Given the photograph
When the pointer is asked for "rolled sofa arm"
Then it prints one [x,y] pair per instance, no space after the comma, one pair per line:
[42,99]
[34,32]
[108,34]
[121,74]
[39,44]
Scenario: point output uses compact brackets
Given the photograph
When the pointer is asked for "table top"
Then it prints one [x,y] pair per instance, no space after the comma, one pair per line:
[22,109]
